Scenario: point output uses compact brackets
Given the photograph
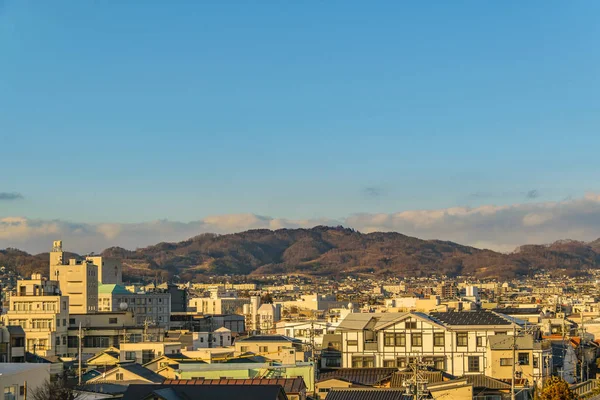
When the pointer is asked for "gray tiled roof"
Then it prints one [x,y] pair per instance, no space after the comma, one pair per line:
[476,317]
[368,394]
[363,376]
[186,392]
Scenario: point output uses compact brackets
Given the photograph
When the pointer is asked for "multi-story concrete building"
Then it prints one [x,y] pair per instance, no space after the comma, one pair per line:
[455,342]
[40,309]
[12,344]
[268,316]
[110,271]
[218,305]
[78,279]
[153,307]
[108,329]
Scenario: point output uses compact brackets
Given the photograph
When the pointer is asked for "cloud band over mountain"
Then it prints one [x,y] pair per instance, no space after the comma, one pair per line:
[501,228]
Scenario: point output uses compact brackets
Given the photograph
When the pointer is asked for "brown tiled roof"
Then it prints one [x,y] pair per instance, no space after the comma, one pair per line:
[290,385]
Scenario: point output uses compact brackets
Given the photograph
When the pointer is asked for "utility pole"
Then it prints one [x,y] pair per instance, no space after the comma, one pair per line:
[79,357]
[581,347]
[514,362]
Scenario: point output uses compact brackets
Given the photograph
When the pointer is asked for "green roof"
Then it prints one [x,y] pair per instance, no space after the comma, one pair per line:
[114,289]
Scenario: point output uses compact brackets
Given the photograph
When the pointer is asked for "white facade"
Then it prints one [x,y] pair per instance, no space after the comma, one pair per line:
[396,339]
[219,338]
[302,330]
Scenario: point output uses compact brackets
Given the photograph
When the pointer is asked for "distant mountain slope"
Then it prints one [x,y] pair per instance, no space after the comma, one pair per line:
[332,251]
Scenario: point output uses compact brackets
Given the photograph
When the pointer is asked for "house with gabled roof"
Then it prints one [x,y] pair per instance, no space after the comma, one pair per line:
[128,373]
[454,342]
[105,359]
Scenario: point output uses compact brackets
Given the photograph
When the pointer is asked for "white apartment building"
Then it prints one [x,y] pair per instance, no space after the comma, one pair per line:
[268,315]
[455,342]
[42,312]
[307,331]
[220,301]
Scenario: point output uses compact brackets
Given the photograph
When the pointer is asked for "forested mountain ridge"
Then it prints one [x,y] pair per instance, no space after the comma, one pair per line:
[330,251]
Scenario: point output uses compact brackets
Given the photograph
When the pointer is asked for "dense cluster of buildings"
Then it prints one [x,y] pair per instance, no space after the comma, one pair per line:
[294,337]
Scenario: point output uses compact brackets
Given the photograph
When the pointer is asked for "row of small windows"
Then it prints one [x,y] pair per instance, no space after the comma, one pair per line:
[398,339]
[439,363]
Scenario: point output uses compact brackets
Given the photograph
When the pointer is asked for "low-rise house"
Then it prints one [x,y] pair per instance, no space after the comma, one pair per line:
[220,337]
[105,359]
[143,352]
[324,386]
[128,373]
[275,347]
[360,376]
[368,394]
[331,351]
[532,358]
[190,391]
[456,389]
[294,388]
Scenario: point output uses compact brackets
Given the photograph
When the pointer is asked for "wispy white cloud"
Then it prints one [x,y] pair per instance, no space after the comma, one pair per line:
[502,228]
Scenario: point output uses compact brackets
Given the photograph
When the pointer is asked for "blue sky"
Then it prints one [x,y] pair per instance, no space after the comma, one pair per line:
[133,111]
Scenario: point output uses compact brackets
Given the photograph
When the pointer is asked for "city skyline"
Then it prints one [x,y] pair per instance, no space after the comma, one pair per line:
[429,121]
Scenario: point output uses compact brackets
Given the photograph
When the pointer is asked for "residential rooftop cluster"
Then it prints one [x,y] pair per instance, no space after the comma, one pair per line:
[291,337]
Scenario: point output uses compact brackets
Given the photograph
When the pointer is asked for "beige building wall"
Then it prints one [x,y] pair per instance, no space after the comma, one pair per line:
[458,393]
[324,387]
[78,280]
[207,305]
[110,271]
[42,313]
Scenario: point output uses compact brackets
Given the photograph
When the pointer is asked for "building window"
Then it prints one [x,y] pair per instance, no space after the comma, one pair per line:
[71,321]
[523,358]
[462,338]
[352,342]
[536,361]
[401,362]
[263,349]
[439,363]
[439,338]
[394,339]
[244,349]
[473,364]
[410,325]
[363,362]
[389,363]
[506,362]
[119,376]
[112,320]
[480,341]
[333,362]
[416,340]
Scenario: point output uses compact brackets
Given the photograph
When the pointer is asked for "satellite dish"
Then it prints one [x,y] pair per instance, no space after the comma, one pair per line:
[123,306]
